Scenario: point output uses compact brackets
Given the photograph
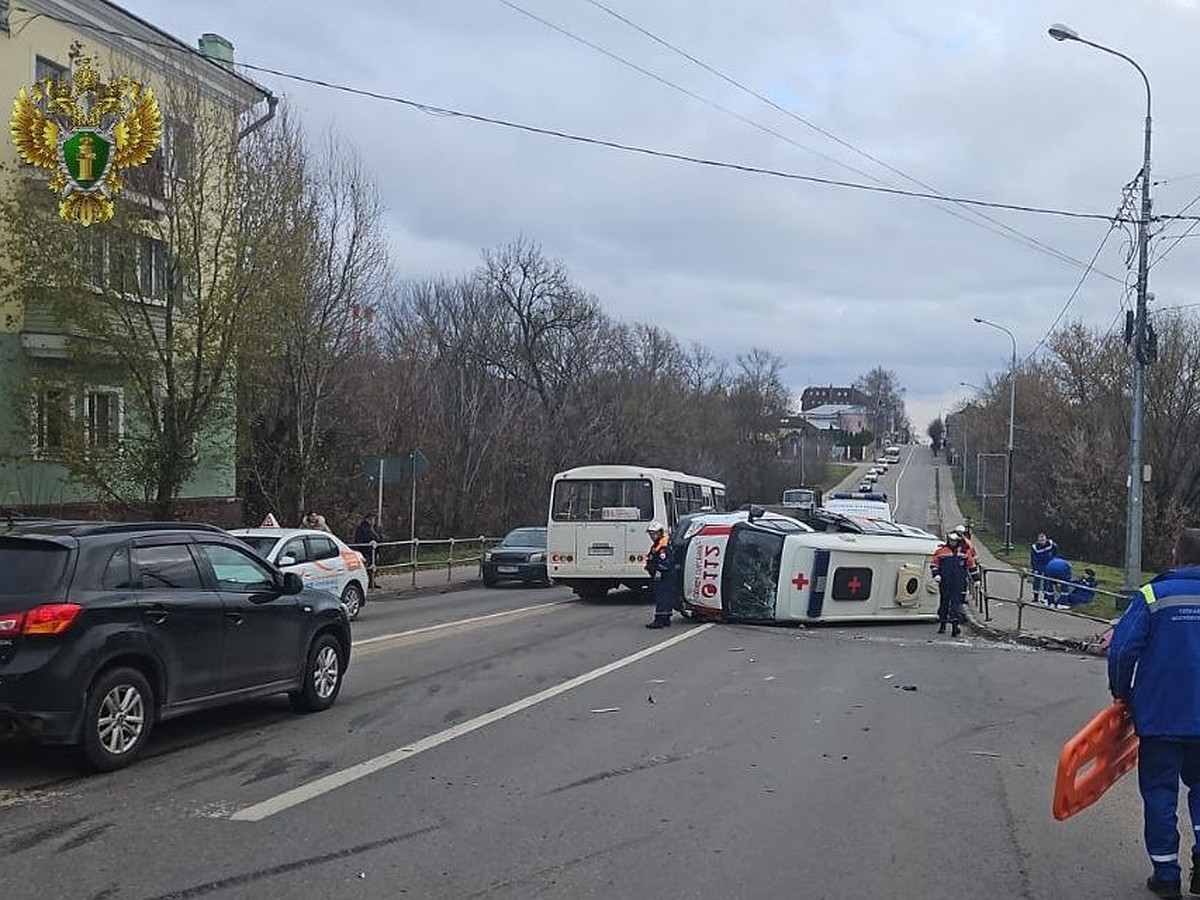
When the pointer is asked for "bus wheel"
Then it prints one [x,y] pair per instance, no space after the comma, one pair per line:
[592,592]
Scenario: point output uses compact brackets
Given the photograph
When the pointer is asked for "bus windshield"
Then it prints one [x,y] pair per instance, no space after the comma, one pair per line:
[798,497]
[603,500]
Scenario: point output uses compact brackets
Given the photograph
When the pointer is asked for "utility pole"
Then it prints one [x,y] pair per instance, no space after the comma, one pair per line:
[1141,347]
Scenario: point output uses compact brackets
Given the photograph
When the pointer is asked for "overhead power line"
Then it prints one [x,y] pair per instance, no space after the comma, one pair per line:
[433,109]
[1008,232]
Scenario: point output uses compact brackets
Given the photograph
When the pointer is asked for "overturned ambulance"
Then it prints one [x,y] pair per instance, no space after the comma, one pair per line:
[754,567]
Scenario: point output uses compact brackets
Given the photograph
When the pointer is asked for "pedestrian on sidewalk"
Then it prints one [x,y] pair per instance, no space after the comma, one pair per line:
[660,565]
[316,521]
[1041,552]
[1159,638]
[366,536]
[950,568]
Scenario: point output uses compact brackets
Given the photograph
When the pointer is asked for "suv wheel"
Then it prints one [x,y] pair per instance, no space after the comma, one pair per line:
[117,719]
[323,673]
[352,599]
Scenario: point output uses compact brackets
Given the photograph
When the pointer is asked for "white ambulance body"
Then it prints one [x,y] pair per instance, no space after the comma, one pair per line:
[780,570]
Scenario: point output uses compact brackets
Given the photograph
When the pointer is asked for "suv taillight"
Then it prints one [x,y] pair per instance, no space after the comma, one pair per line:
[10,624]
[50,618]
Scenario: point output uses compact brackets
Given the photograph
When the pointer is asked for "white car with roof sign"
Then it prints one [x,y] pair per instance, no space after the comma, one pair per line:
[761,569]
[320,559]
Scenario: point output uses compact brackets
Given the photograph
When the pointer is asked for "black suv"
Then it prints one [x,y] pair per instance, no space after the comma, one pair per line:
[106,628]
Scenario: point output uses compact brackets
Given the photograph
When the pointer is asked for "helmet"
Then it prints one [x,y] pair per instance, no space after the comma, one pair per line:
[654,528]
[954,536]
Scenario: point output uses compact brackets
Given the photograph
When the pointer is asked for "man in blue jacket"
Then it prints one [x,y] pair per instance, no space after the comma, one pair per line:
[660,565]
[1154,666]
[1083,589]
[1057,582]
[1041,552]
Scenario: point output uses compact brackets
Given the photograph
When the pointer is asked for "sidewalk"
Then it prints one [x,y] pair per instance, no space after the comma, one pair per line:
[398,584]
[1039,625]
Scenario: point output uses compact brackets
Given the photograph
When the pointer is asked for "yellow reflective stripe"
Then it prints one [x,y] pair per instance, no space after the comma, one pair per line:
[1148,593]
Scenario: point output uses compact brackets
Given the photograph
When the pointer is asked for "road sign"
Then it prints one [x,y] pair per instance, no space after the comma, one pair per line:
[395,469]
[414,463]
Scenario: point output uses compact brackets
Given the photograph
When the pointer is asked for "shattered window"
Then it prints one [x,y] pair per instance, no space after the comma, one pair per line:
[751,574]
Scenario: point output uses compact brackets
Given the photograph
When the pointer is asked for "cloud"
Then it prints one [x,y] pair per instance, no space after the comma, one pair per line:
[970,96]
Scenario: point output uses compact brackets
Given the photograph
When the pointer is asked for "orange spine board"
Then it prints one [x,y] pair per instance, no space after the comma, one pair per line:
[1094,760]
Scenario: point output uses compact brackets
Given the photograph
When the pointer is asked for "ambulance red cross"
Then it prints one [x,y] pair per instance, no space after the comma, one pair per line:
[772,568]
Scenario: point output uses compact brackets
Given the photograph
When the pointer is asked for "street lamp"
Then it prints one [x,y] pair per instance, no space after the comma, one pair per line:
[1012,406]
[1133,507]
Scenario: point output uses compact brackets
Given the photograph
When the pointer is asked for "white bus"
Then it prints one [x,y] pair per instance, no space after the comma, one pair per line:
[596,534]
[892,454]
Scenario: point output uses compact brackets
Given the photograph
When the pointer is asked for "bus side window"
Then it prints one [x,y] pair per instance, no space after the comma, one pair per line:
[669,503]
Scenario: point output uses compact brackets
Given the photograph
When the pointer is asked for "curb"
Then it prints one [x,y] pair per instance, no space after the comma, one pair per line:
[1041,642]
[391,595]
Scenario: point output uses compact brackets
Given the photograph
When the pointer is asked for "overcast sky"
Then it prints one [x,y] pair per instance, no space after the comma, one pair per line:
[971,97]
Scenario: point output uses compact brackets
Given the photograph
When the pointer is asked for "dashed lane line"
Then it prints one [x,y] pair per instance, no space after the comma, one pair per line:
[324,785]
[416,635]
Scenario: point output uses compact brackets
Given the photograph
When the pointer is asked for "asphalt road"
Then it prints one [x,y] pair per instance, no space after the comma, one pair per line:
[728,761]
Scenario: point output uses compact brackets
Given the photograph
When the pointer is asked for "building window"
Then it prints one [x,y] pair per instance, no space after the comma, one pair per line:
[103,418]
[46,68]
[51,418]
[152,267]
[178,149]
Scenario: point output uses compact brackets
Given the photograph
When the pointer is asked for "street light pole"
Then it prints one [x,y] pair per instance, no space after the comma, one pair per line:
[1133,507]
[1012,407]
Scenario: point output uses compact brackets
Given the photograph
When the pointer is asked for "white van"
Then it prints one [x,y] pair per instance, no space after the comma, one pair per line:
[863,505]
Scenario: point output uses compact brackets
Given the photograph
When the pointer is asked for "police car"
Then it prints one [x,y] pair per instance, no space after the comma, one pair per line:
[762,568]
[319,558]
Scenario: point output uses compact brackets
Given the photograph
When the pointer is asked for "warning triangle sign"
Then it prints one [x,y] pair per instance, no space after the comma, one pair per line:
[270,522]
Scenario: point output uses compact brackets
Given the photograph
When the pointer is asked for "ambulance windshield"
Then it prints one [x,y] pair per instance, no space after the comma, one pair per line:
[751,573]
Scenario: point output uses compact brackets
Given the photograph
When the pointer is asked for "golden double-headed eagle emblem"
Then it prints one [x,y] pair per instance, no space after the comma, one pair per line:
[87,132]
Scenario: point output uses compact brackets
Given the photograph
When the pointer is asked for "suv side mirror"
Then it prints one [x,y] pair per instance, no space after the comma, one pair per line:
[288,560]
[292,583]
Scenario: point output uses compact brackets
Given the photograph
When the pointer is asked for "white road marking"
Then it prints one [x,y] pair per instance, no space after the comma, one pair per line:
[305,792]
[903,469]
[458,623]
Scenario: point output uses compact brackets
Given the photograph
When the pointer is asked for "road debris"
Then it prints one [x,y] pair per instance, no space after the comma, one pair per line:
[607,709]
[988,753]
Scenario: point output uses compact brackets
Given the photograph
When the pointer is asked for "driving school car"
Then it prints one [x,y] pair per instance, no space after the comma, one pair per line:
[775,569]
[319,558]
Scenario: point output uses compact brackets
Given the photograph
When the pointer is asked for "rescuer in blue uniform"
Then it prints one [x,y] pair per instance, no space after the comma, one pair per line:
[1056,585]
[951,567]
[660,563]
[1041,552]
[1158,638]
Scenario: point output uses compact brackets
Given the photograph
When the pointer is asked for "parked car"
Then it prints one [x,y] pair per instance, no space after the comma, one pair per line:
[871,477]
[320,559]
[866,486]
[106,629]
[521,556]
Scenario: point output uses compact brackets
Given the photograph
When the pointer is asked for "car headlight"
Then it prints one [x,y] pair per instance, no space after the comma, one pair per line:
[540,556]
[487,556]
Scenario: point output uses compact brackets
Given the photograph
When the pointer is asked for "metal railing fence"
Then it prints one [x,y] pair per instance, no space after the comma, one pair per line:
[983,597]
[425,554]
